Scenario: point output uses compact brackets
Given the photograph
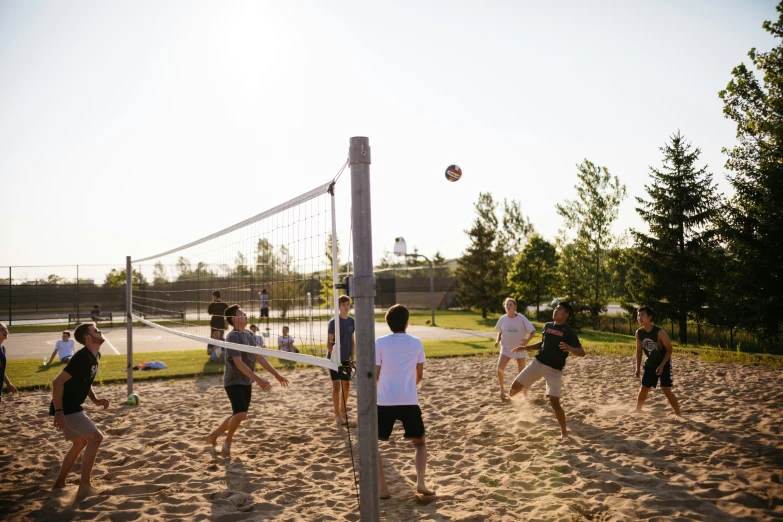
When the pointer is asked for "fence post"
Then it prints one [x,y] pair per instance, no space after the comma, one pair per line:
[731,338]
[614,330]
[698,333]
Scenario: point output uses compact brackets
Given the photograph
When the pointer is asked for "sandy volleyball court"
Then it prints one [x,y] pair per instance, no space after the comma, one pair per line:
[722,461]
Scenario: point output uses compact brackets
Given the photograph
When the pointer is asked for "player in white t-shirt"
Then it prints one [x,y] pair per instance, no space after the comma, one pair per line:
[399,368]
[514,330]
[63,348]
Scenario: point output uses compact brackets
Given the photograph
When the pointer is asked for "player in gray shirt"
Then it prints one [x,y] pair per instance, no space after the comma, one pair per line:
[238,377]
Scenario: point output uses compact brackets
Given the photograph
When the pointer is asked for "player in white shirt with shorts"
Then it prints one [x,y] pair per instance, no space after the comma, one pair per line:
[514,330]
[399,368]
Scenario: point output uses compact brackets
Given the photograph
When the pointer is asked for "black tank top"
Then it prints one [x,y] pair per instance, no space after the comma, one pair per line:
[649,340]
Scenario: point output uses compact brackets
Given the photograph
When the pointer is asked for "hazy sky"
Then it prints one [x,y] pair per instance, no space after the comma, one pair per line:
[128,128]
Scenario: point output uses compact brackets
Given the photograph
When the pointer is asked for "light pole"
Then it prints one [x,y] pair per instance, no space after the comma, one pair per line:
[401,249]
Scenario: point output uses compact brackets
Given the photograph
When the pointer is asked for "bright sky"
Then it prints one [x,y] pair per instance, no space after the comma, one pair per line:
[146,125]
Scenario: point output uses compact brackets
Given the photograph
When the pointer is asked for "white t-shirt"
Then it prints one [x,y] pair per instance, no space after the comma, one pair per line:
[513,331]
[64,348]
[285,343]
[397,355]
[260,341]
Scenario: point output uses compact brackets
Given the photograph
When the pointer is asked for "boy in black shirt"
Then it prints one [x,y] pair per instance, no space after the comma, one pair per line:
[654,342]
[558,340]
[217,309]
[69,390]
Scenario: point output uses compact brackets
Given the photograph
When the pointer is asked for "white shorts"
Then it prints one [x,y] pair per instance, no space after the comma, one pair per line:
[506,352]
[78,425]
[535,371]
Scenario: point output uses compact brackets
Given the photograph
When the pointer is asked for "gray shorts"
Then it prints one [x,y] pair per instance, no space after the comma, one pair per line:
[78,425]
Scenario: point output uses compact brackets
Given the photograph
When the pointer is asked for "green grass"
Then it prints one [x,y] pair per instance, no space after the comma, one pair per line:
[28,374]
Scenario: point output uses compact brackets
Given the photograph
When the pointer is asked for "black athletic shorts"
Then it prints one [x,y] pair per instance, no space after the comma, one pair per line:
[239,395]
[265,312]
[410,417]
[650,380]
[333,374]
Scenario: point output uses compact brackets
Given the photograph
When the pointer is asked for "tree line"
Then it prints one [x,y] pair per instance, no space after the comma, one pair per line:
[700,256]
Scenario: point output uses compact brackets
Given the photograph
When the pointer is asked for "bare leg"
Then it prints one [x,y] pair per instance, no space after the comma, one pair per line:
[502,362]
[421,466]
[384,489]
[337,403]
[233,426]
[643,391]
[220,430]
[88,461]
[516,387]
[521,366]
[69,460]
[559,414]
[672,399]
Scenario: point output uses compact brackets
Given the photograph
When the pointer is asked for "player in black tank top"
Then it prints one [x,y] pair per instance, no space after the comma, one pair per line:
[656,345]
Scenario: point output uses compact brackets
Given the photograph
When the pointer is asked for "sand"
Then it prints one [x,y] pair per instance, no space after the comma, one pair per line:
[721,461]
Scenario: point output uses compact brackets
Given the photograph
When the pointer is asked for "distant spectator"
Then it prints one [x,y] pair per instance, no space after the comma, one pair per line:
[217,309]
[95,313]
[216,353]
[63,348]
[264,299]
[3,376]
[259,338]
[286,344]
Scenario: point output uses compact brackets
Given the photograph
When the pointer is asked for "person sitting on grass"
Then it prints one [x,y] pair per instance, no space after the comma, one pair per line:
[259,338]
[558,341]
[70,389]
[238,377]
[286,344]
[655,343]
[63,348]
[95,314]
[3,377]
[399,368]
[216,353]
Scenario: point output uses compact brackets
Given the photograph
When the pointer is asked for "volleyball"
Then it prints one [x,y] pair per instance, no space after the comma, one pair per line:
[453,173]
[134,399]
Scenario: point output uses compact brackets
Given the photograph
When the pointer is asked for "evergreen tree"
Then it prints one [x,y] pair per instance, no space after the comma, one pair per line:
[679,210]
[439,264]
[532,275]
[751,224]
[591,216]
[480,268]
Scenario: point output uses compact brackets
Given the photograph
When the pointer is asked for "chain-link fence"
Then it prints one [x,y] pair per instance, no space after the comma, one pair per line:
[50,294]
[697,334]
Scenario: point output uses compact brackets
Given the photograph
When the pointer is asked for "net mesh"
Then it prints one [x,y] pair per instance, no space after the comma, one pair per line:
[277,266]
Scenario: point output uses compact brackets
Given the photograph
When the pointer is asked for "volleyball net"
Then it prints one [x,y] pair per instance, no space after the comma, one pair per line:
[278,266]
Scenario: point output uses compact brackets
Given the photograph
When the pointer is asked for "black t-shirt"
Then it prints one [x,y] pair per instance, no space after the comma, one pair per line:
[654,352]
[551,337]
[82,368]
[217,311]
